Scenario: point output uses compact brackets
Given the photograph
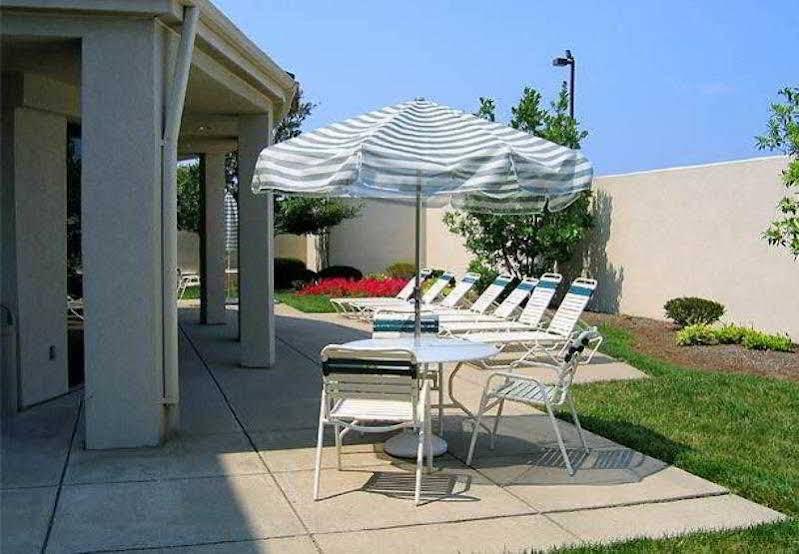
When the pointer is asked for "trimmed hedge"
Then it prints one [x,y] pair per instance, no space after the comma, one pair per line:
[341,271]
[401,270]
[691,310]
[700,333]
[289,271]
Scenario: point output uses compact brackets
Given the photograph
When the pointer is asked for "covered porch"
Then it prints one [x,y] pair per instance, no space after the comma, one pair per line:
[238,476]
[104,98]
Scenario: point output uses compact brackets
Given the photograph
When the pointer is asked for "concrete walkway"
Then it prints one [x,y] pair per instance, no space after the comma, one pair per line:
[238,477]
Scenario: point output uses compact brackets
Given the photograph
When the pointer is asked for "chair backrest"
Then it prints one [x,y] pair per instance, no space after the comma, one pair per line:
[572,307]
[437,287]
[392,325]
[567,368]
[515,298]
[463,286]
[492,292]
[540,299]
[407,291]
[368,373]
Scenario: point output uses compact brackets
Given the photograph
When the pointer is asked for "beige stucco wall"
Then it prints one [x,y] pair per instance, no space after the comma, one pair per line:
[659,234]
[382,234]
[695,231]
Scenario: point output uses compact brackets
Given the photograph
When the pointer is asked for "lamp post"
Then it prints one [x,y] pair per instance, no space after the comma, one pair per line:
[570,61]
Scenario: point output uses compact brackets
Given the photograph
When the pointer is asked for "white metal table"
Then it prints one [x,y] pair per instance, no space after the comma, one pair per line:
[428,351]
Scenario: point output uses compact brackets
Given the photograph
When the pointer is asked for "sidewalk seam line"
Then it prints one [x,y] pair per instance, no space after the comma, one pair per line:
[64,468]
[249,438]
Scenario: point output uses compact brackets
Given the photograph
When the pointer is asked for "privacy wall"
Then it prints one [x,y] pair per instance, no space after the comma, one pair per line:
[660,234]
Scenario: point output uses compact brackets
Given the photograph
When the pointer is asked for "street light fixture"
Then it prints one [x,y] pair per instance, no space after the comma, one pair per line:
[570,61]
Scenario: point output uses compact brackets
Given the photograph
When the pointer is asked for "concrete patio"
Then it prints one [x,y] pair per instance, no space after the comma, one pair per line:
[238,478]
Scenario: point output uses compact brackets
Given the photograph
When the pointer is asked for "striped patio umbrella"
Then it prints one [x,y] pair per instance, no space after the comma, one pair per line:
[422,151]
[231,223]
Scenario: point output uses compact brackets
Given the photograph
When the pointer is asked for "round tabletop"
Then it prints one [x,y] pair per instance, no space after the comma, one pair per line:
[433,350]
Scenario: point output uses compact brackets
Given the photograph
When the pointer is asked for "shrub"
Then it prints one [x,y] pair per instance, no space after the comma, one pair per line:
[487,274]
[307,276]
[691,310]
[338,287]
[757,340]
[731,334]
[698,333]
[401,270]
[288,271]
[340,271]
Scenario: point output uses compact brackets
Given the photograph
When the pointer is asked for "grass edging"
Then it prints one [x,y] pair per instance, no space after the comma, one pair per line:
[736,430]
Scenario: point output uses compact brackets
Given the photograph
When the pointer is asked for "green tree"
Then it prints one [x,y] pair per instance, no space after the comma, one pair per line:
[782,134]
[296,215]
[189,197]
[529,244]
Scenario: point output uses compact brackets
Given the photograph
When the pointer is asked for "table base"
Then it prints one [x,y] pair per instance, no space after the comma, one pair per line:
[405,443]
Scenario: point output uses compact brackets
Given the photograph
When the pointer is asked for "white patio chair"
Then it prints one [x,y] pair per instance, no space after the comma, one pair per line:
[373,391]
[348,306]
[74,309]
[186,279]
[392,325]
[449,304]
[552,340]
[505,386]
[530,317]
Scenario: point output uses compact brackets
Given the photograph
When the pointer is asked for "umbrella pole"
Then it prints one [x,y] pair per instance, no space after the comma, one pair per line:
[417,307]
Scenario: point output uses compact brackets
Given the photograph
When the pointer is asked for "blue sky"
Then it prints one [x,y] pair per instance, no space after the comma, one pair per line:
[659,84]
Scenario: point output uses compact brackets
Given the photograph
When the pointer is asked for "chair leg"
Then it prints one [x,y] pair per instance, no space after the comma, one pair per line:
[319,440]
[562,446]
[440,399]
[417,494]
[577,422]
[337,430]
[429,443]
[496,423]
[483,401]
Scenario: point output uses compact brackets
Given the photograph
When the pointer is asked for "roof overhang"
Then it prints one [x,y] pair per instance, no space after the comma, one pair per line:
[219,42]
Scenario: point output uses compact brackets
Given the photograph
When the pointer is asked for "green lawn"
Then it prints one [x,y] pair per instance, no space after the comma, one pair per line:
[314,304]
[741,431]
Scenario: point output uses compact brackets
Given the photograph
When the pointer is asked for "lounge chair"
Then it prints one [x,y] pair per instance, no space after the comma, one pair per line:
[449,304]
[349,306]
[504,387]
[366,310]
[550,341]
[530,318]
[373,391]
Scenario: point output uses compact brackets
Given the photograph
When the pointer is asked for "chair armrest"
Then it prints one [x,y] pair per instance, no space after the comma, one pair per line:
[514,376]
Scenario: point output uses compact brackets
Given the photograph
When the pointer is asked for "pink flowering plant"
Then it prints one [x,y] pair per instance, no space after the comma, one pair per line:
[338,287]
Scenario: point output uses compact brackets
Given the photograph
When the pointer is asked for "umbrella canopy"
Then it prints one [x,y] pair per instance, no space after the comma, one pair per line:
[422,150]
[447,156]
[231,223]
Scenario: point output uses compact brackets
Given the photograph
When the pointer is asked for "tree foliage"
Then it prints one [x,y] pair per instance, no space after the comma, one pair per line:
[296,215]
[529,244]
[189,200]
[293,214]
[782,134]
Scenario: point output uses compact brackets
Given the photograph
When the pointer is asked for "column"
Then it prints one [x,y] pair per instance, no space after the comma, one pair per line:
[256,250]
[122,234]
[212,241]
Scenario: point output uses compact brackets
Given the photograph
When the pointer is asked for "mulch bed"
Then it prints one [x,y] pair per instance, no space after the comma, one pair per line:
[657,339]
